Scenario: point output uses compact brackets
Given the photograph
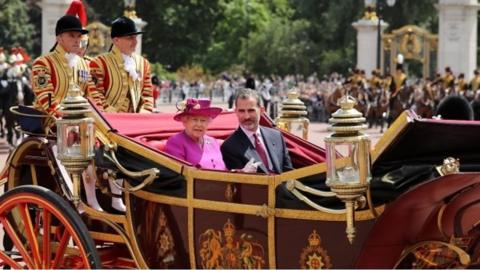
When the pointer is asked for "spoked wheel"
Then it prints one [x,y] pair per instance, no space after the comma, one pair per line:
[433,255]
[45,231]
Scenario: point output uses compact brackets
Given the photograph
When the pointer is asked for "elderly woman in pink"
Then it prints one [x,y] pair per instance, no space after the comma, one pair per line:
[192,144]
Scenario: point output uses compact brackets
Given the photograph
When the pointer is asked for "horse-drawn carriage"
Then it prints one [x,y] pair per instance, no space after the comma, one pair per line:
[180,216]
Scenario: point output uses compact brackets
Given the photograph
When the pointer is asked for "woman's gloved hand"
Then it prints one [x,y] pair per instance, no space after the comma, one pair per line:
[251,166]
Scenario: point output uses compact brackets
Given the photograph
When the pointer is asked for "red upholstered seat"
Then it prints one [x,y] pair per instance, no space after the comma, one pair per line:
[159,145]
[153,131]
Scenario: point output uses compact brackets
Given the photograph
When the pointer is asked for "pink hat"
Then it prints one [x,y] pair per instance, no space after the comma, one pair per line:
[193,106]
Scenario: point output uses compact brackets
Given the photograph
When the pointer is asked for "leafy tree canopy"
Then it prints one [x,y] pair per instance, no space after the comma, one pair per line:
[262,36]
[16,28]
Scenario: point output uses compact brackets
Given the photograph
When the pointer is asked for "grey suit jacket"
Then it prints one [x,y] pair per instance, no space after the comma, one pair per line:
[238,149]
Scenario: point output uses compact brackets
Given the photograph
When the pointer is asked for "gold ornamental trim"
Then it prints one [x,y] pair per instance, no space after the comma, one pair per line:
[272,263]
[135,246]
[314,256]
[143,151]
[433,254]
[251,209]
[390,135]
[16,157]
[226,249]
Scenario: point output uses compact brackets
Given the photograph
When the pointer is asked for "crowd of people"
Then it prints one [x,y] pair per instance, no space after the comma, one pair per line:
[379,97]
[15,88]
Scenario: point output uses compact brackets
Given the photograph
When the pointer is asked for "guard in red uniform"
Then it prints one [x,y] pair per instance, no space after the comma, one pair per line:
[122,76]
[53,72]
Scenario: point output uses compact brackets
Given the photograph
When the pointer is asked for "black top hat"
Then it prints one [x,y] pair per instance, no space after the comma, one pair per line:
[124,26]
[69,23]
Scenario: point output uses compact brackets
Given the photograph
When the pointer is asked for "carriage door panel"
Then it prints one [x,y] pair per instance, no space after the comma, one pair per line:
[229,231]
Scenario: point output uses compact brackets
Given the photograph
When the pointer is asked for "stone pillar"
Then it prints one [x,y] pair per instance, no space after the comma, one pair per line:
[52,10]
[367,31]
[457,36]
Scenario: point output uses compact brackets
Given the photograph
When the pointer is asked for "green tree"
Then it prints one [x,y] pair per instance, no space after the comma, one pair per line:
[331,32]
[230,35]
[282,47]
[105,11]
[178,32]
[335,38]
[265,36]
[15,26]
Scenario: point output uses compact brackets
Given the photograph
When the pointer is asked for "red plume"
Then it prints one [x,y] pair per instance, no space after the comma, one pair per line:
[77,9]
[26,57]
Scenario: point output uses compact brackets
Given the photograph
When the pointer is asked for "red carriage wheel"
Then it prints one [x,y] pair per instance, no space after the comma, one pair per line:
[44,230]
[433,255]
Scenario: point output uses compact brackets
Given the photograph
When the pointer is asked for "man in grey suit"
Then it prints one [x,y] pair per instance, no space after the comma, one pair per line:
[253,147]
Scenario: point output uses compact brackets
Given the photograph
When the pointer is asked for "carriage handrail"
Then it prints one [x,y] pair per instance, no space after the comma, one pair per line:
[14,110]
[47,127]
[292,186]
[151,174]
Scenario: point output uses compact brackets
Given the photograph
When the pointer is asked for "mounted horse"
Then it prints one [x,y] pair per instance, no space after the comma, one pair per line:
[424,102]
[378,107]
[331,101]
[399,101]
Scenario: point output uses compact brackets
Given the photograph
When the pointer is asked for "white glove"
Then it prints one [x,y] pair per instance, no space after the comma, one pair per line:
[251,166]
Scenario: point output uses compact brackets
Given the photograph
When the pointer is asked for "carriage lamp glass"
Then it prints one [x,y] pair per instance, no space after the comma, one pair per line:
[293,115]
[348,158]
[75,130]
[75,136]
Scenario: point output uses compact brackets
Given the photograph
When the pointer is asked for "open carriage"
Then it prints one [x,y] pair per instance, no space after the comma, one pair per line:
[180,216]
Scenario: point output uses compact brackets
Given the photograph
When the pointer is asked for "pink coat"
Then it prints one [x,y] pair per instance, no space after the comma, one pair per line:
[183,147]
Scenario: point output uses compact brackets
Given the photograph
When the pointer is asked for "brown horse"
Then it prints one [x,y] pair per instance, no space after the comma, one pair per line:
[399,102]
[361,96]
[424,103]
[331,101]
[377,109]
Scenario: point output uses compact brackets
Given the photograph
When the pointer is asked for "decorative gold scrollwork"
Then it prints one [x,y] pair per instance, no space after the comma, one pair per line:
[410,46]
[226,250]
[230,191]
[266,211]
[450,165]
[149,174]
[433,254]
[314,256]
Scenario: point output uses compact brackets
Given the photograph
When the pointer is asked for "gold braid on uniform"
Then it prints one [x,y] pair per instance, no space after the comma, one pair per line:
[119,89]
[51,77]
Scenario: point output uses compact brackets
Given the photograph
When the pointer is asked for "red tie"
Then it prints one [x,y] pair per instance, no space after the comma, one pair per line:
[261,150]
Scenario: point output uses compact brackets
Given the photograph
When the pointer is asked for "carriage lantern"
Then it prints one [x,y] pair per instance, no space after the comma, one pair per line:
[292,115]
[75,136]
[348,160]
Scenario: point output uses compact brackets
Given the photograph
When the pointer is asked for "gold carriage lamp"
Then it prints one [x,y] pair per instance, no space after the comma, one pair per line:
[75,136]
[292,115]
[348,177]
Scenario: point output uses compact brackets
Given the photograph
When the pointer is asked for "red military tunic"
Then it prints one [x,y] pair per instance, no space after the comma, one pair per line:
[51,77]
[123,93]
